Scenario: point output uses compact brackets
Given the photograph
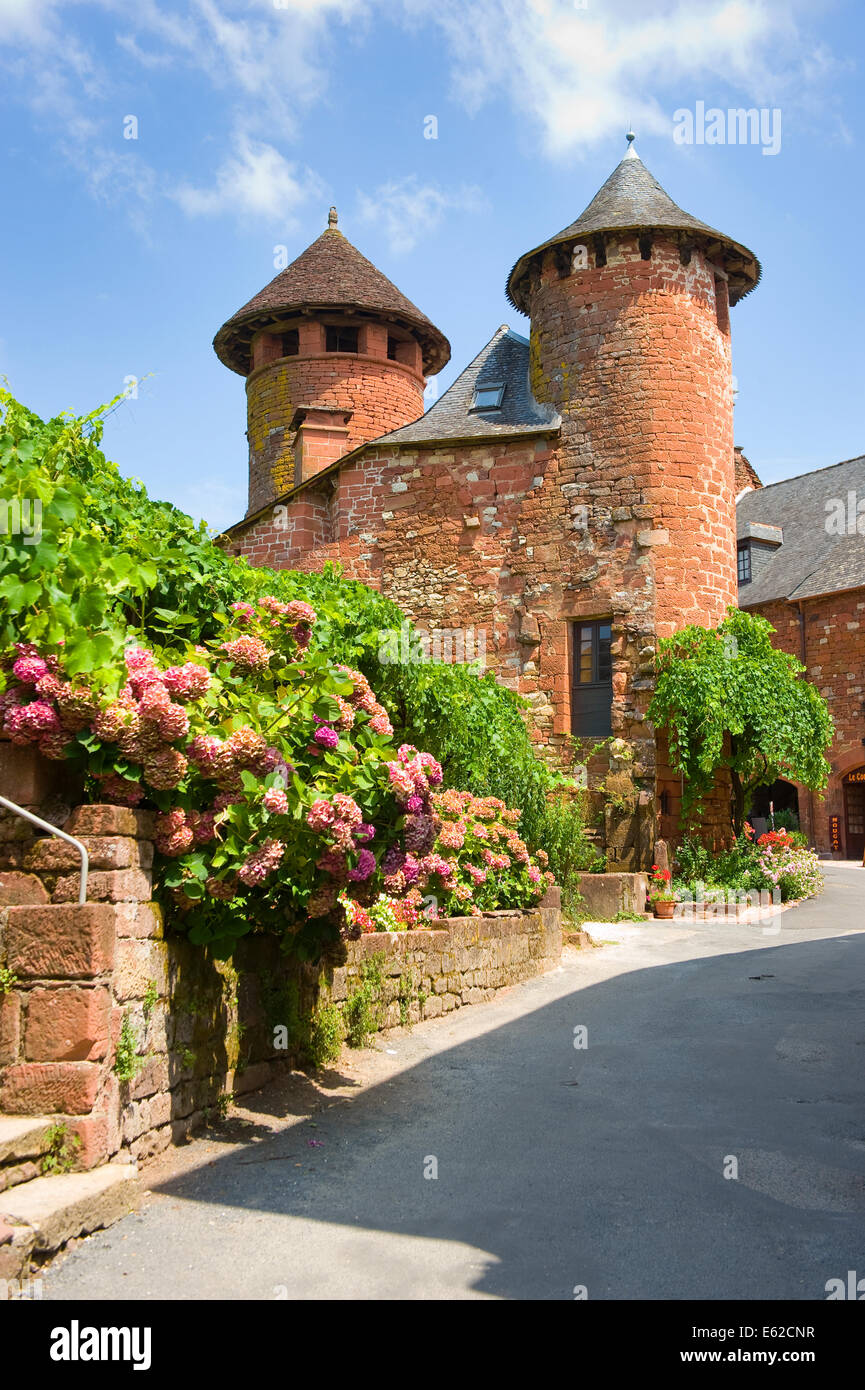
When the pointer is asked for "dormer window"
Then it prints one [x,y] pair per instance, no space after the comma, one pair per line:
[743,563]
[488,396]
[340,339]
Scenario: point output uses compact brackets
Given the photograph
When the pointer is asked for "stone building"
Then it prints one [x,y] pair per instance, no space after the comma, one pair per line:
[571,495]
[801,564]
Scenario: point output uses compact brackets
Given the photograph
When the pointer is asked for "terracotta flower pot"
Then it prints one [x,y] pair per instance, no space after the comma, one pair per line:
[664,909]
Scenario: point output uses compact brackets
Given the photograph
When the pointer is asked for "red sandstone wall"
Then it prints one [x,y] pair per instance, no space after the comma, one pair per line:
[632,354]
[835,658]
[382,395]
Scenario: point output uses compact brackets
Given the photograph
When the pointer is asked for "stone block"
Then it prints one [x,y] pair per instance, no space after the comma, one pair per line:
[604,895]
[60,942]
[110,820]
[10,1027]
[93,1131]
[73,1204]
[107,852]
[21,889]
[139,963]
[68,1024]
[140,919]
[108,885]
[44,1088]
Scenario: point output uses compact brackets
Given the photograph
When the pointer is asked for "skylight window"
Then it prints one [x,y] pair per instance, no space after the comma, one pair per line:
[488,396]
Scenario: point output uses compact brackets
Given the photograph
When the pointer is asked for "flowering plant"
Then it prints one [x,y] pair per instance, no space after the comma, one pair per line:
[661,886]
[276,784]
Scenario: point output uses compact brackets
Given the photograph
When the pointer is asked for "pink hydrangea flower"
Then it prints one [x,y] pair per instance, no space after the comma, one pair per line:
[26,723]
[173,835]
[347,809]
[166,769]
[300,612]
[261,863]
[380,724]
[244,612]
[320,816]
[275,801]
[247,749]
[365,867]
[401,782]
[30,669]
[209,754]
[187,682]
[248,653]
[121,790]
[326,736]
[173,723]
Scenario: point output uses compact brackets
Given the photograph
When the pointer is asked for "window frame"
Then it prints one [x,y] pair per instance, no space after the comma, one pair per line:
[744,565]
[340,329]
[597,682]
[486,386]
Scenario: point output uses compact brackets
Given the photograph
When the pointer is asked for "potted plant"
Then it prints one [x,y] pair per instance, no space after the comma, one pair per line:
[661,894]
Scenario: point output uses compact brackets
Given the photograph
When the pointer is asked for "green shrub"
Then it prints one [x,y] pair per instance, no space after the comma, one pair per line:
[362,1009]
[326,1035]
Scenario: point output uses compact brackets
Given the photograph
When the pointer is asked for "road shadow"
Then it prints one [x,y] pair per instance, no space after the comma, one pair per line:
[607,1166]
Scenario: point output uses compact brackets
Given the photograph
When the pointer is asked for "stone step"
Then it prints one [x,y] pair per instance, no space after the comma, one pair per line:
[57,1209]
[24,1137]
[49,855]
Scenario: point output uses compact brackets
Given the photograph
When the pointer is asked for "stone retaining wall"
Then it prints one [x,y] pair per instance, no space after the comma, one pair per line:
[204,1029]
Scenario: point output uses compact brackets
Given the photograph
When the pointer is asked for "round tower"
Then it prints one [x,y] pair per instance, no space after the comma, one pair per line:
[630,337]
[334,356]
[630,342]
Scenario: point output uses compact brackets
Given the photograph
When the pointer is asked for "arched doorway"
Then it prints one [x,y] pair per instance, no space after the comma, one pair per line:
[854,813]
[784,798]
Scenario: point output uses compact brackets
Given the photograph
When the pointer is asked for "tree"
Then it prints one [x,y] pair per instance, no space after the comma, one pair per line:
[727,698]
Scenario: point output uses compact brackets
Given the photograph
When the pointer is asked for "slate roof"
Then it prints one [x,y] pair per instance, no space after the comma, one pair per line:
[633,200]
[330,274]
[811,561]
[505,359]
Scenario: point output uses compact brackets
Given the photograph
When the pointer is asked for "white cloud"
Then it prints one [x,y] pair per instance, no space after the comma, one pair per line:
[581,74]
[409,210]
[256,181]
[577,76]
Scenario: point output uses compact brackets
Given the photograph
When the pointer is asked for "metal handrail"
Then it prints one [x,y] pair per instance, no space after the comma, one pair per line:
[52,830]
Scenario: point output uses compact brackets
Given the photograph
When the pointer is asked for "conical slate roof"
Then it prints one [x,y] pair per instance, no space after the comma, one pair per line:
[331,274]
[633,200]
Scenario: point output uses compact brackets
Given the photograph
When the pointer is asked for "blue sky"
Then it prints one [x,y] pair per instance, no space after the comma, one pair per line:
[122,257]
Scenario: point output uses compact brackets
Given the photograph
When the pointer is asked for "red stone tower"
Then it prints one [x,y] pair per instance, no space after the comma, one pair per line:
[630,341]
[334,355]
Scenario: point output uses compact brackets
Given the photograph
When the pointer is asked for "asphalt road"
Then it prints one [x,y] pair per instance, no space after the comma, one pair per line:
[601,1167]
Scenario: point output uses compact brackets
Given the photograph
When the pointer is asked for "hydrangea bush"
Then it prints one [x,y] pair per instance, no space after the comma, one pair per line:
[281,801]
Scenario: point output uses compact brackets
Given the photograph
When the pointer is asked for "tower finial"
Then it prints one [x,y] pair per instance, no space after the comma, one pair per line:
[632,153]
[332,218]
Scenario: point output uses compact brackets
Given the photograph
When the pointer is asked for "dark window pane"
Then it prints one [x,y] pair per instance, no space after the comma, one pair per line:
[340,339]
[592,689]
[290,343]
